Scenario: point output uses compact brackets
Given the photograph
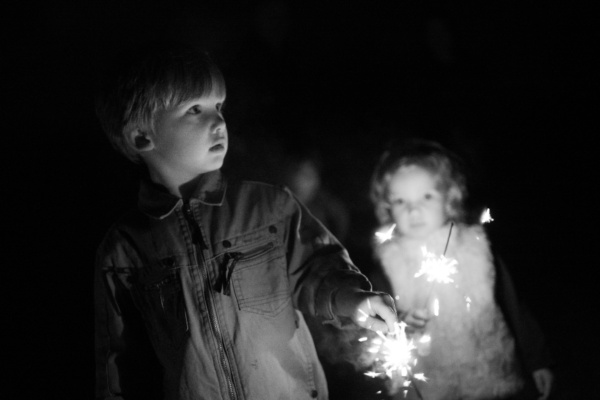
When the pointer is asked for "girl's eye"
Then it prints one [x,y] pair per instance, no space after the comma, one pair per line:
[220,107]
[195,110]
[428,196]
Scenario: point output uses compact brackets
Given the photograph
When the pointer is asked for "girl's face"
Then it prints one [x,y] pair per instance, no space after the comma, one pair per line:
[417,206]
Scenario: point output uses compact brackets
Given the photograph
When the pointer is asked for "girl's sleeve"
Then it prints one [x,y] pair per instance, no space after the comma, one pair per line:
[530,340]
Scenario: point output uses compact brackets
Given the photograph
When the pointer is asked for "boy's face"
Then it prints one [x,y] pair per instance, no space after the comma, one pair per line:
[190,138]
[417,206]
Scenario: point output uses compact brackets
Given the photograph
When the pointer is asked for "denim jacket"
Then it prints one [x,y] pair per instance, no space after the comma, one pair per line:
[217,287]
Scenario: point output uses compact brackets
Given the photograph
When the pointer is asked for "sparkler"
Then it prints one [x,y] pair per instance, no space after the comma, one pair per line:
[385,235]
[437,269]
[486,216]
[394,357]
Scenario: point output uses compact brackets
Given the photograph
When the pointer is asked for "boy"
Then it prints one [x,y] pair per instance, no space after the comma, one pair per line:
[214,273]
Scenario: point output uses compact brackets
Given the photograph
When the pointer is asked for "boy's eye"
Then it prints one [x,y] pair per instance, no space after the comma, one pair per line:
[397,202]
[195,110]
[428,196]
[220,107]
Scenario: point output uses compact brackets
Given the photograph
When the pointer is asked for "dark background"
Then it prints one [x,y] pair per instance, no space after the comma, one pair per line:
[510,86]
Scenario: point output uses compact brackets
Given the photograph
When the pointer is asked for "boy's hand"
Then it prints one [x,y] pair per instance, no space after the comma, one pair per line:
[371,310]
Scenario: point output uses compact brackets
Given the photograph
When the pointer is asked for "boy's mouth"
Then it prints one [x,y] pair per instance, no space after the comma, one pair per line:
[217,147]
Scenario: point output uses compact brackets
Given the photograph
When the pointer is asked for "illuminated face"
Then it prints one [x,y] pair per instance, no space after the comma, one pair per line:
[189,139]
[417,206]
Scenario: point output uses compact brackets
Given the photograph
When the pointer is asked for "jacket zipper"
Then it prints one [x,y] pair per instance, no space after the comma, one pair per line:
[225,363]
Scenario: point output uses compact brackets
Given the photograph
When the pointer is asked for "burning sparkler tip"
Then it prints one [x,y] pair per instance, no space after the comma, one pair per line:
[384,236]
[486,216]
[420,376]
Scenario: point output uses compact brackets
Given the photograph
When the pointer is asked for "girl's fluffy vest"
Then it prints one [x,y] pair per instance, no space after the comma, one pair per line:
[471,353]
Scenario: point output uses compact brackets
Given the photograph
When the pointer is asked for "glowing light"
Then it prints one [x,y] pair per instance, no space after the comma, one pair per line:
[420,376]
[436,307]
[486,216]
[394,356]
[363,317]
[436,269]
[384,236]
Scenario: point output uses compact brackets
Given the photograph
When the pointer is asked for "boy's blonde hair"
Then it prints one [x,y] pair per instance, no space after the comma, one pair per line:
[431,156]
[152,78]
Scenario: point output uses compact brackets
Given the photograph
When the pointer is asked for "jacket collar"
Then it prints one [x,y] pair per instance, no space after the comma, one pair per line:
[155,201]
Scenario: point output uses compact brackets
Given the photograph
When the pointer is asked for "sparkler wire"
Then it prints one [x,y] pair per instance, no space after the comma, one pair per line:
[448,240]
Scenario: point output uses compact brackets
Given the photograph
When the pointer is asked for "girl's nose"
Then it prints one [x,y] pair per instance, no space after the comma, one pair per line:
[413,209]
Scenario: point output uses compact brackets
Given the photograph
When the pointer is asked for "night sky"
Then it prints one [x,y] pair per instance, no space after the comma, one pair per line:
[509,86]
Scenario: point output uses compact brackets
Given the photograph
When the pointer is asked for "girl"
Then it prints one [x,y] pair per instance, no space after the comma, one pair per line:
[472,336]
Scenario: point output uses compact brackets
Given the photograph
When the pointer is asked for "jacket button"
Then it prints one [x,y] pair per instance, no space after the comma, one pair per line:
[314,394]
[272,229]
[226,244]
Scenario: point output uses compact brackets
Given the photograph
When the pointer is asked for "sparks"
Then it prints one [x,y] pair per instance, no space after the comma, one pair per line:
[436,269]
[363,315]
[395,357]
[436,307]
[384,236]
[420,376]
[468,303]
[486,216]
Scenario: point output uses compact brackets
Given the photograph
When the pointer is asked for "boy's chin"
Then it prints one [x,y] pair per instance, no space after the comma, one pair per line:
[210,170]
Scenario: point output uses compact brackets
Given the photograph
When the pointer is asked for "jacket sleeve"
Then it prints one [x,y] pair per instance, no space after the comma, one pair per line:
[121,344]
[531,344]
[318,265]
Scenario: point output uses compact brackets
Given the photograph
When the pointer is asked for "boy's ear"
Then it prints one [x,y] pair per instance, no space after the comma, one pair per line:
[139,140]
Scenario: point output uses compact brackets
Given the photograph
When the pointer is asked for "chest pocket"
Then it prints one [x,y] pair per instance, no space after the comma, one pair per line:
[159,297]
[258,278]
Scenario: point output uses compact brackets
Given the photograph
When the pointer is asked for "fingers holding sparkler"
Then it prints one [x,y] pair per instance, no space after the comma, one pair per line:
[371,310]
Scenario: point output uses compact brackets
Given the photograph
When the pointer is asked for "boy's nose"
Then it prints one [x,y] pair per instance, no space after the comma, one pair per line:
[218,125]
[220,131]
